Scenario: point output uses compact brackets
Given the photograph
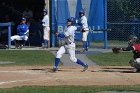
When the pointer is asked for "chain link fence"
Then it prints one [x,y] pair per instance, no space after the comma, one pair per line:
[123,19]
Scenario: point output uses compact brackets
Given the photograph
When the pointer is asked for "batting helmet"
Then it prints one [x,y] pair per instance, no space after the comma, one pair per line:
[71,19]
[82,12]
[45,11]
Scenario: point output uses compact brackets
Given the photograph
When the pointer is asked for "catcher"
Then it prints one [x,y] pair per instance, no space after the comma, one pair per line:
[133,45]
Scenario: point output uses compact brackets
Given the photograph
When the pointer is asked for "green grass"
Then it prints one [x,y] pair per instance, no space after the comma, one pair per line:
[27,57]
[111,59]
[69,89]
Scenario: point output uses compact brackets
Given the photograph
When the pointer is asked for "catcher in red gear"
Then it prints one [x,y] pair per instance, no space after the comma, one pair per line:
[133,45]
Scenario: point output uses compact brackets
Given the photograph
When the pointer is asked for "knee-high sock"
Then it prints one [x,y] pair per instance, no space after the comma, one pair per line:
[23,42]
[15,42]
[45,43]
[57,61]
[85,45]
[80,62]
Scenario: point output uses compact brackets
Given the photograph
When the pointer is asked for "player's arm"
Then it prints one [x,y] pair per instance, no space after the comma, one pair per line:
[26,30]
[117,50]
[127,48]
[61,35]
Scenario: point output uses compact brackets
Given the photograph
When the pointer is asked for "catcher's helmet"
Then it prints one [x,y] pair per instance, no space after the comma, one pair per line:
[71,19]
[133,39]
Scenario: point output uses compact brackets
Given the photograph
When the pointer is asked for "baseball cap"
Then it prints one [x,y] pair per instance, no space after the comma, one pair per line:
[23,18]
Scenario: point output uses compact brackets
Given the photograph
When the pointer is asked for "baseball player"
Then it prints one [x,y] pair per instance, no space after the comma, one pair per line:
[22,33]
[69,45]
[46,28]
[133,45]
[84,29]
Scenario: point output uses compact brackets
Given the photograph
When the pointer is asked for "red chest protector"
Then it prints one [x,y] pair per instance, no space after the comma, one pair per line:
[136,47]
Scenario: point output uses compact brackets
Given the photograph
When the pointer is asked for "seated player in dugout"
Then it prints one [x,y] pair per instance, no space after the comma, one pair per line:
[22,34]
[134,46]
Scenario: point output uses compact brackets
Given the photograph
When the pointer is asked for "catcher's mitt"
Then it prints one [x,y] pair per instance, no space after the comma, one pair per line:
[116,50]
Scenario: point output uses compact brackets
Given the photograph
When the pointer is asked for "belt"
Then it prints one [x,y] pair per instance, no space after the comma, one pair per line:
[69,43]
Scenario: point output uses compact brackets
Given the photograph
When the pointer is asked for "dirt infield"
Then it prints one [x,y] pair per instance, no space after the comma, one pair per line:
[41,75]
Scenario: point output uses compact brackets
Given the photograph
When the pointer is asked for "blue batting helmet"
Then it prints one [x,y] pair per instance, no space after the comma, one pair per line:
[45,11]
[82,12]
[71,19]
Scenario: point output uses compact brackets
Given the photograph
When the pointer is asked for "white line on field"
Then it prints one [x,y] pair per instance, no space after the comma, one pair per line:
[15,81]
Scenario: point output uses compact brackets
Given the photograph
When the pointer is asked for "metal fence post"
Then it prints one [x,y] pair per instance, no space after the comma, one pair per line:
[9,35]
[105,25]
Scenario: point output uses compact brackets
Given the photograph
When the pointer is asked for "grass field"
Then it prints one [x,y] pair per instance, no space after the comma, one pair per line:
[111,59]
[69,89]
[44,57]
[27,57]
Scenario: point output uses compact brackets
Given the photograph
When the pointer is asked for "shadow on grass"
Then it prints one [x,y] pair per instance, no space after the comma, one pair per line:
[121,70]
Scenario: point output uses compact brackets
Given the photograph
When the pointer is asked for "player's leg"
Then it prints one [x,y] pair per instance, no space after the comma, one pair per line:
[46,36]
[71,51]
[14,38]
[24,39]
[60,52]
[136,64]
[84,40]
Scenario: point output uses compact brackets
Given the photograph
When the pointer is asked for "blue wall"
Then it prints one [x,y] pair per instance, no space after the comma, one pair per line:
[96,16]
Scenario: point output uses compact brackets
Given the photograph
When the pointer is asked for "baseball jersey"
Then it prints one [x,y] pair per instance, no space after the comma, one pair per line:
[22,29]
[136,47]
[69,34]
[45,20]
[83,21]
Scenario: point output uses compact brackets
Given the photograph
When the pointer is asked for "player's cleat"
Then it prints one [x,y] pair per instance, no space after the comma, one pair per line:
[85,68]
[85,49]
[136,70]
[55,69]
[44,47]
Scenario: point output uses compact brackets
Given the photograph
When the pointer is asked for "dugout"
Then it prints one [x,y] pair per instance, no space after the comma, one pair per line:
[12,11]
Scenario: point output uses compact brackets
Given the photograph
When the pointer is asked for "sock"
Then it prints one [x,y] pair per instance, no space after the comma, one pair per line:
[85,45]
[15,42]
[57,61]
[80,62]
[23,42]
[45,43]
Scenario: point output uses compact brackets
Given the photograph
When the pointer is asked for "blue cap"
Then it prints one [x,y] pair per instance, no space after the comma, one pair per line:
[72,19]
[23,18]
[45,10]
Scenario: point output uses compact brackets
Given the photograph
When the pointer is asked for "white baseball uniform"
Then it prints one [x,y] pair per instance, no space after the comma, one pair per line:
[69,45]
[46,28]
[84,26]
